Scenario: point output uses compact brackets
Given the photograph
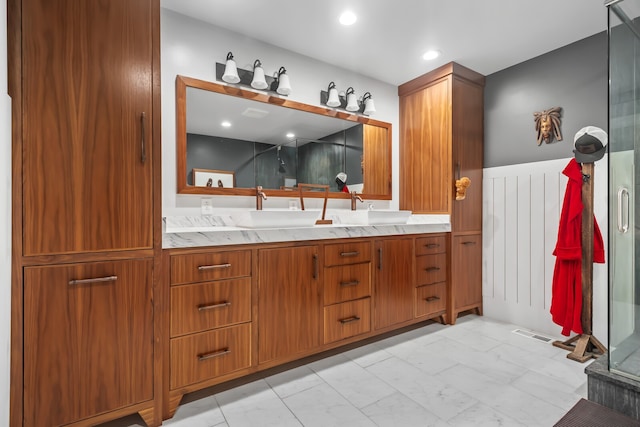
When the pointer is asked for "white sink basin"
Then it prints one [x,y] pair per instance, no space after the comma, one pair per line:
[274,218]
[375,217]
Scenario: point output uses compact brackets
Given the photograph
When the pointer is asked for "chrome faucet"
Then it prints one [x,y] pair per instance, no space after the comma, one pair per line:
[260,196]
[354,197]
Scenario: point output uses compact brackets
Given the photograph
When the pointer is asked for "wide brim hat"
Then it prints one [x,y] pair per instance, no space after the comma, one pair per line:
[590,144]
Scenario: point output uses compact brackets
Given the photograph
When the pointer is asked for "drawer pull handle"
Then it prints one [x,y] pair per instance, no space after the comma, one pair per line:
[354,253]
[432,245]
[432,268]
[349,319]
[433,298]
[216,305]
[469,242]
[351,283]
[217,353]
[213,267]
[94,280]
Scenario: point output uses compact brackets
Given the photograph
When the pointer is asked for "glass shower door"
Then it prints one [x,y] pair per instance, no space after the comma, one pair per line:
[624,154]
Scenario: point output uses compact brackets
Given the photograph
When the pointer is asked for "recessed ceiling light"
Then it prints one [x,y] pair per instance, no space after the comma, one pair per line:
[291,135]
[225,124]
[431,54]
[348,18]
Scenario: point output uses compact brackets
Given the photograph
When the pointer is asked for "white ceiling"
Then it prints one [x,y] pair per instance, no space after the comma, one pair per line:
[389,37]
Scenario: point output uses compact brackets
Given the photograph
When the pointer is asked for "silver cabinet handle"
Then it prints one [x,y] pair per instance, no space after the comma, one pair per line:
[94,280]
[213,267]
[213,354]
[379,258]
[433,298]
[354,253]
[349,319]
[623,210]
[212,306]
[315,266]
[431,245]
[143,152]
[351,283]
[432,269]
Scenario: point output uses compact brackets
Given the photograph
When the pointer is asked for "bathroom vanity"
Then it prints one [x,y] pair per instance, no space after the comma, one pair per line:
[244,300]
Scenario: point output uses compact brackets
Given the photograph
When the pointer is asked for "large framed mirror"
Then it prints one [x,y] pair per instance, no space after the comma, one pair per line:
[230,140]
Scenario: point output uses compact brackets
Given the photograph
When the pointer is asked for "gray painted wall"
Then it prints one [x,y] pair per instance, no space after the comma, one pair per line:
[573,77]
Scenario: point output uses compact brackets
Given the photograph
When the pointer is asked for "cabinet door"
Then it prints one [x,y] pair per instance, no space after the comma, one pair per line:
[88,339]
[466,272]
[87,83]
[394,282]
[290,302]
[468,134]
[425,152]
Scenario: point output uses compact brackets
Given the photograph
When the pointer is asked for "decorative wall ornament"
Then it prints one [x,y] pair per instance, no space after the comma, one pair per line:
[461,187]
[548,125]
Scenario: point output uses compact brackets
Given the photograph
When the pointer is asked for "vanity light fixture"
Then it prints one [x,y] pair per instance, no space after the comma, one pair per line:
[352,101]
[230,71]
[347,100]
[334,100]
[284,86]
[256,78]
[258,82]
[369,107]
[225,124]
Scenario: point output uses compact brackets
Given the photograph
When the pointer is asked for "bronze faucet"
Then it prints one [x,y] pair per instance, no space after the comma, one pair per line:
[260,196]
[354,197]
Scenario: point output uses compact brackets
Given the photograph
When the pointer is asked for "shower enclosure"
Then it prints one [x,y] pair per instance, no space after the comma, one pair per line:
[624,203]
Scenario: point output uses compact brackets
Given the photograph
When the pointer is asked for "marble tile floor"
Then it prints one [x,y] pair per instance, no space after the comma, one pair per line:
[475,373]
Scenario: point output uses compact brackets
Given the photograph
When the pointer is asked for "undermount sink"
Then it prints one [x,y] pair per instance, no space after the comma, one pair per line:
[375,217]
[274,218]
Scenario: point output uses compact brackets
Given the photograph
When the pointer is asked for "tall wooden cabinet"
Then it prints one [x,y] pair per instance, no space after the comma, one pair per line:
[84,81]
[441,140]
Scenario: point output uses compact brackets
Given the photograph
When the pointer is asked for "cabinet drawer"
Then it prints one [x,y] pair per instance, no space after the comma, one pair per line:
[431,245]
[209,305]
[347,253]
[431,299]
[206,355]
[210,266]
[347,319]
[431,269]
[347,282]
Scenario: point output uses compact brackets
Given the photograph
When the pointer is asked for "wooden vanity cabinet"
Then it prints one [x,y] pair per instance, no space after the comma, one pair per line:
[289,303]
[347,290]
[431,276]
[248,308]
[441,140]
[84,78]
[210,323]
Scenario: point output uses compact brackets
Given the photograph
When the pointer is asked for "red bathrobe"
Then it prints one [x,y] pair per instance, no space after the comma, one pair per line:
[566,300]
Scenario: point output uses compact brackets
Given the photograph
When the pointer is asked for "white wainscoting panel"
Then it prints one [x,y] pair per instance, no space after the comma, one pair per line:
[521,212]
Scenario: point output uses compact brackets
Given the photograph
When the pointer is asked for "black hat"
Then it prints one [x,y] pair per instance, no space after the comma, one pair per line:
[590,144]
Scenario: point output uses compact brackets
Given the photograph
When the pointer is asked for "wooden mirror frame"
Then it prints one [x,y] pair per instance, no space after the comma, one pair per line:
[183,82]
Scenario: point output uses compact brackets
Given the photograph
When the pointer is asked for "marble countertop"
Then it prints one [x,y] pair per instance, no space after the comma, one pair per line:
[200,231]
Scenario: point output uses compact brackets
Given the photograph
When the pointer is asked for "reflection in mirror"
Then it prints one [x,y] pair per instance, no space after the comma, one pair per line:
[259,139]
